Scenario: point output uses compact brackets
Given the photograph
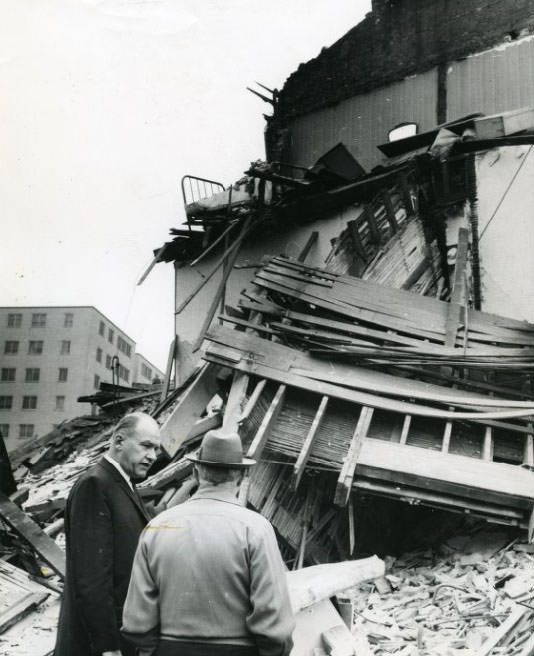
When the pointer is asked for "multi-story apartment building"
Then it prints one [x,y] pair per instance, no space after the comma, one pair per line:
[49,356]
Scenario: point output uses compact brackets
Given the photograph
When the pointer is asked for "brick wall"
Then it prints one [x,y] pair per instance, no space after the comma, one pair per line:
[399,38]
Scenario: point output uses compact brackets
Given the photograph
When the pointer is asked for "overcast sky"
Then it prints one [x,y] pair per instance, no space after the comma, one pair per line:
[105,105]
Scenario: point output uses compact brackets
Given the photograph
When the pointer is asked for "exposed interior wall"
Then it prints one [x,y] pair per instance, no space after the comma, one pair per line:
[364,121]
[188,323]
[492,81]
[506,229]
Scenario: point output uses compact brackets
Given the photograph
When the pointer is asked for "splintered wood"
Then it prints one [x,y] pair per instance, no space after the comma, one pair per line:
[452,601]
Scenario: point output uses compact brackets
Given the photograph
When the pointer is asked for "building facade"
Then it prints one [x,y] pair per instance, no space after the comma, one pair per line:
[49,356]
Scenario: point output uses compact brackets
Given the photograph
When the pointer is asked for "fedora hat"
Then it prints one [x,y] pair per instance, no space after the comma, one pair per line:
[220,449]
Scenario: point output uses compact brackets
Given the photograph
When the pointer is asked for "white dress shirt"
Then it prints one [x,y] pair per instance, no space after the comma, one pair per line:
[119,469]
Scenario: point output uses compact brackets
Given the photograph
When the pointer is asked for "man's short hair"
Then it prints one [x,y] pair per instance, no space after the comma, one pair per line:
[218,475]
[128,424]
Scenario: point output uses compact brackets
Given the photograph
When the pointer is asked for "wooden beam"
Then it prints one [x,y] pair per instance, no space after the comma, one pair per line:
[344,483]
[236,401]
[189,409]
[458,290]
[157,258]
[260,439]
[487,446]
[253,399]
[446,437]
[528,450]
[405,429]
[390,211]
[406,194]
[168,369]
[307,447]
[32,535]
[229,261]
[371,220]
[357,241]
[307,246]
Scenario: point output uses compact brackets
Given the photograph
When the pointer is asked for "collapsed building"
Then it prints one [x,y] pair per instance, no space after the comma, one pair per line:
[361,307]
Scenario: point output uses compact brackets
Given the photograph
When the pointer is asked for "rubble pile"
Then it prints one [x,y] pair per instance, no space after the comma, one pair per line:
[460,598]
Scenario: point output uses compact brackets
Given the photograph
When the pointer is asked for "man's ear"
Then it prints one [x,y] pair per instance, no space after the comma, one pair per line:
[118,440]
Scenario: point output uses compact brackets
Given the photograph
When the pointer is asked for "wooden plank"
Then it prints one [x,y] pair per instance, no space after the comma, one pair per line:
[275,361]
[338,640]
[189,409]
[487,446]
[344,483]
[32,535]
[458,291]
[307,447]
[405,429]
[445,443]
[260,439]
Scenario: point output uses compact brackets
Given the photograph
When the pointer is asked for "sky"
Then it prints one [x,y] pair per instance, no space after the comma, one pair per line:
[104,106]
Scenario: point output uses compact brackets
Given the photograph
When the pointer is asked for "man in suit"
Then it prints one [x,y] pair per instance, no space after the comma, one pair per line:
[104,517]
[208,578]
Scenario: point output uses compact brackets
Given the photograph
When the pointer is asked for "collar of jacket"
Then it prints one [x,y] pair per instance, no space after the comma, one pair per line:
[224,492]
[117,476]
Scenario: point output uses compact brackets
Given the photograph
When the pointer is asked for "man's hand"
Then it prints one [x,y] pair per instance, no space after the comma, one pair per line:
[115,652]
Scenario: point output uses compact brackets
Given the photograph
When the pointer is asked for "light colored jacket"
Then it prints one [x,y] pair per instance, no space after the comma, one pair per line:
[210,570]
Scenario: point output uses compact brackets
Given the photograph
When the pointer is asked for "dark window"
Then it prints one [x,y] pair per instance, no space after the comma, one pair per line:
[4,430]
[38,320]
[60,403]
[35,347]
[6,402]
[108,361]
[123,346]
[110,335]
[32,375]
[97,381]
[99,355]
[65,347]
[63,374]
[124,373]
[8,374]
[26,430]
[11,347]
[146,372]
[69,320]
[101,328]
[29,402]
[14,320]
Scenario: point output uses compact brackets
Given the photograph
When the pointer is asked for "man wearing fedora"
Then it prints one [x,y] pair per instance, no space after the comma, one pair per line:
[208,578]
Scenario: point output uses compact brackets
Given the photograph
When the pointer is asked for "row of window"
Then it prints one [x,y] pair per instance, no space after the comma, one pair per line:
[14,320]
[25,430]
[8,375]
[146,372]
[122,344]
[124,373]
[29,402]
[33,375]
[35,347]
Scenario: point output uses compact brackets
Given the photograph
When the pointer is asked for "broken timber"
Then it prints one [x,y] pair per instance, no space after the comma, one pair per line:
[34,536]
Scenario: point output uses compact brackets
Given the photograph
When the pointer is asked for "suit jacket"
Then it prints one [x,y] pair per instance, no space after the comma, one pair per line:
[103,521]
